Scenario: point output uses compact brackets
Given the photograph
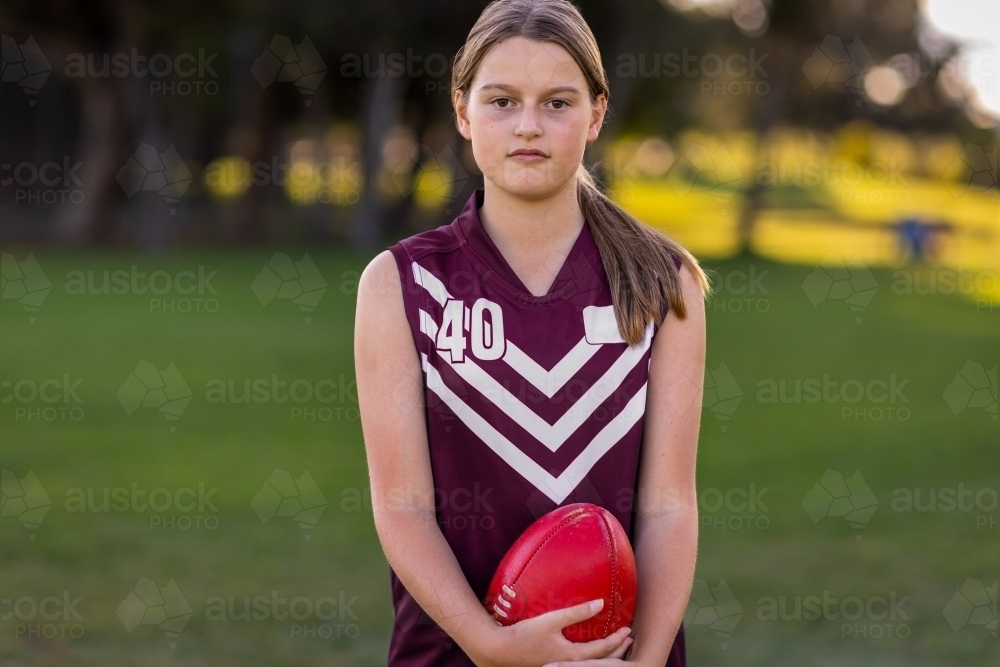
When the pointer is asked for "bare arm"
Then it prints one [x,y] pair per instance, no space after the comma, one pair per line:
[390,397]
[666,531]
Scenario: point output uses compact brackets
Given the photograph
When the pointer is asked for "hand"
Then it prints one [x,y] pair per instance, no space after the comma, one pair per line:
[539,640]
[613,659]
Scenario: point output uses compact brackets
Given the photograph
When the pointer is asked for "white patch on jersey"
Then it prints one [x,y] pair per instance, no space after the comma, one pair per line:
[600,325]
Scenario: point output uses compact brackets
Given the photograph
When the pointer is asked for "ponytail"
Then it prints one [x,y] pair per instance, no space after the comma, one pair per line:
[638,261]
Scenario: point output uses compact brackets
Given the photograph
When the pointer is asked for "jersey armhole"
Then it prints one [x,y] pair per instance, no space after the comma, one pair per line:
[412,292]
[678,262]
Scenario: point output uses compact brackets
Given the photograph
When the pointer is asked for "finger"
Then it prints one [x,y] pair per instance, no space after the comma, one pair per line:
[561,618]
[600,648]
[609,662]
[619,653]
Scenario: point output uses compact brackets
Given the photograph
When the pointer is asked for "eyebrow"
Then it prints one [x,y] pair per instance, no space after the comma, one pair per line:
[511,89]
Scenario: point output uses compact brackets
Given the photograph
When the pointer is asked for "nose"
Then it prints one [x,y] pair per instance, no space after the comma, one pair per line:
[528,122]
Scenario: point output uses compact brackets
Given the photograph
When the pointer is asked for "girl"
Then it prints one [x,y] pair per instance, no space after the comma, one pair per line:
[544,348]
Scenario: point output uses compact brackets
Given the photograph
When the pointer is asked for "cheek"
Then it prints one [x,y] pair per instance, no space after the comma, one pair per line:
[571,133]
[488,143]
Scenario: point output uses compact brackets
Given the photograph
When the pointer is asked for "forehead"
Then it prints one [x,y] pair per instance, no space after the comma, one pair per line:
[527,64]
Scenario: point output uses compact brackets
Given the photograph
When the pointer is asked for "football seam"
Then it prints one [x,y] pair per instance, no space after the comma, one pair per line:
[614,572]
[573,517]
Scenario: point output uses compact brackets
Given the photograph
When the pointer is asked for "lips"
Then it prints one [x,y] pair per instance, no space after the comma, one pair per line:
[528,151]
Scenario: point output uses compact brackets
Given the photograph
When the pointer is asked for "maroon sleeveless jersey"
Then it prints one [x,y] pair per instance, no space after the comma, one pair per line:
[531,403]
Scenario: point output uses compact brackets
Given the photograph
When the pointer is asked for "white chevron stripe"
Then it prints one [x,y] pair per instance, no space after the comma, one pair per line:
[556,488]
[428,325]
[547,382]
[550,435]
[431,283]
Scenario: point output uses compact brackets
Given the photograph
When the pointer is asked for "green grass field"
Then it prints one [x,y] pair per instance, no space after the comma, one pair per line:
[234,546]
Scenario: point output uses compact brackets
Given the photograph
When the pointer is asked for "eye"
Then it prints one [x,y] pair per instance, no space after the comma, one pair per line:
[564,104]
[501,99]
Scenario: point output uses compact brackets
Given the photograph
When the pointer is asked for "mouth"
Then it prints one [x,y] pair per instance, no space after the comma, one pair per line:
[528,154]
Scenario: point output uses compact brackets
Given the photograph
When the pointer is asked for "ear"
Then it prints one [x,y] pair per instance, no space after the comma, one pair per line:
[597,117]
[462,115]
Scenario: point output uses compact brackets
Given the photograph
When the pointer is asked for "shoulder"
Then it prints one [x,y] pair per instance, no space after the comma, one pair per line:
[392,265]
[381,315]
[381,267]
[694,294]
[691,288]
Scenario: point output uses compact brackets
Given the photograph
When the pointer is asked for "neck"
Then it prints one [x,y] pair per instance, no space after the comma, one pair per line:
[537,228]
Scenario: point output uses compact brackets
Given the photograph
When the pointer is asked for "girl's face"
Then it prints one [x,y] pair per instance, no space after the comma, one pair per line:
[529,95]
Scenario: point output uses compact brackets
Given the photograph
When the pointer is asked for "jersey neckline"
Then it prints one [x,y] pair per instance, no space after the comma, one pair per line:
[479,242]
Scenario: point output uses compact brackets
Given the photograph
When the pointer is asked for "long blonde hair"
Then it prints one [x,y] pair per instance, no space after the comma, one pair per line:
[638,260]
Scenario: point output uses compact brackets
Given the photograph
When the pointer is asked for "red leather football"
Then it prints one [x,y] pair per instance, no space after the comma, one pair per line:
[572,555]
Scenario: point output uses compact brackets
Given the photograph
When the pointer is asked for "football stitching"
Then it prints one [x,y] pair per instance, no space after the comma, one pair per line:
[574,516]
[612,552]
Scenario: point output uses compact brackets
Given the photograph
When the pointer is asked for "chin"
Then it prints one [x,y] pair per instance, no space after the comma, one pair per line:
[530,187]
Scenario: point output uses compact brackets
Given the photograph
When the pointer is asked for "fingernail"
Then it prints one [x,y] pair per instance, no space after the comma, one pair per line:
[596,604]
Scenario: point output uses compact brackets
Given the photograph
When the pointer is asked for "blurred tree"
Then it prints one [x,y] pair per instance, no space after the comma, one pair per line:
[101,119]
